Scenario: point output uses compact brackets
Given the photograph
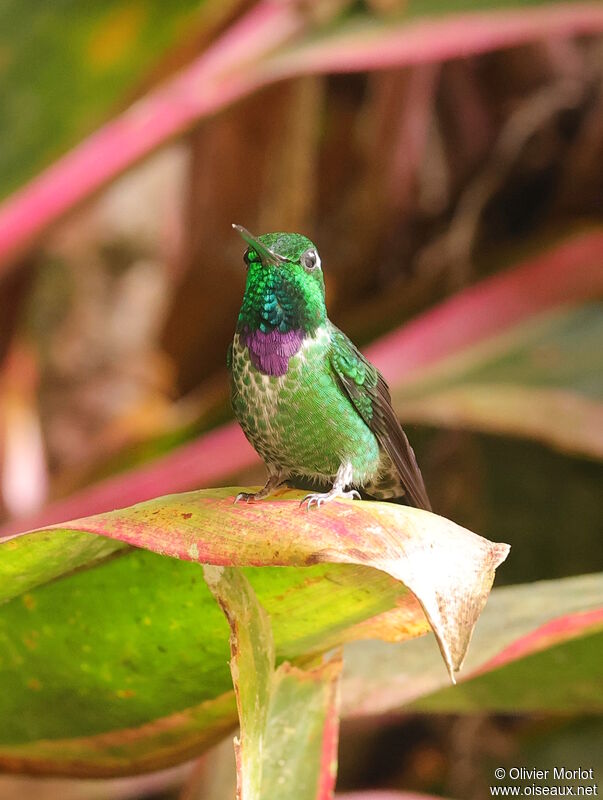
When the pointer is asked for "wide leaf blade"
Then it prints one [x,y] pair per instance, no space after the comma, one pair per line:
[513,664]
[134,638]
[448,569]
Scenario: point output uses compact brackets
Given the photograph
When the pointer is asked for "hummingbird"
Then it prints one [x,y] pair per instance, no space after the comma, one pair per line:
[308,401]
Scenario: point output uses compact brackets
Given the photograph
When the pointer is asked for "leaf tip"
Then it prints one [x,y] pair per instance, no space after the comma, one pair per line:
[499,551]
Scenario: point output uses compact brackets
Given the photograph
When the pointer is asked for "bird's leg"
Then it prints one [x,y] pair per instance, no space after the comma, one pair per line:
[274,480]
[342,479]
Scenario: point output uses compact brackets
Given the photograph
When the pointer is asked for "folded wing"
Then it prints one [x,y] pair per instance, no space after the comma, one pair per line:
[369,393]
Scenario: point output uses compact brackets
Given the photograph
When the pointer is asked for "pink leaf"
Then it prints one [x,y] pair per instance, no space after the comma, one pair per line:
[241,62]
[373,46]
[216,78]
[569,272]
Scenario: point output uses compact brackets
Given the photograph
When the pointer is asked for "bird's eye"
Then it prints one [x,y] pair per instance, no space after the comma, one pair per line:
[310,259]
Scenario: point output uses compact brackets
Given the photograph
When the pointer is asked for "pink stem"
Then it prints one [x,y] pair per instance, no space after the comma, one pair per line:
[237,64]
[548,634]
[216,78]
[437,38]
[204,462]
[567,274]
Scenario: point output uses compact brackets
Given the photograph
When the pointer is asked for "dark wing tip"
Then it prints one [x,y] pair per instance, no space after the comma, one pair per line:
[395,442]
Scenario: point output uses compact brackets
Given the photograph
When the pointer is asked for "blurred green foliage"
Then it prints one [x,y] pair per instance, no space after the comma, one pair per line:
[66,65]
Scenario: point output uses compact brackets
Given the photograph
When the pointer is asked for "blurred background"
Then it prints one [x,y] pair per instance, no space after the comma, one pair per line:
[446,158]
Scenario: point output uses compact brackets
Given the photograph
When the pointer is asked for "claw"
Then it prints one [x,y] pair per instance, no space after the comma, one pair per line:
[273,482]
[334,494]
[246,496]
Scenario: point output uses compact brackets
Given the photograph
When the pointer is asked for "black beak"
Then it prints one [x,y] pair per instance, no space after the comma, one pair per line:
[266,255]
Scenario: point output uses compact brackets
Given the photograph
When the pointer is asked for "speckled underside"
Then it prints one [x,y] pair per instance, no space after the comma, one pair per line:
[302,422]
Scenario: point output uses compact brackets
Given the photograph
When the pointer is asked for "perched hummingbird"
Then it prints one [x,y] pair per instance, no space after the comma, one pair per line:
[308,401]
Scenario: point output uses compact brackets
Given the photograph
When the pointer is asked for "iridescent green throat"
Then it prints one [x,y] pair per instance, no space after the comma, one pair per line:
[283,303]
[284,296]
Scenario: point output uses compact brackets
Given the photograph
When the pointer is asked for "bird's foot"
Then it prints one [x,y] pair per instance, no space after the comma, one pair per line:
[326,497]
[249,497]
[273,482]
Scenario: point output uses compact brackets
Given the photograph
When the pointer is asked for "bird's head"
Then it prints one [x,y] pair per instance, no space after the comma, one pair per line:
[285,289]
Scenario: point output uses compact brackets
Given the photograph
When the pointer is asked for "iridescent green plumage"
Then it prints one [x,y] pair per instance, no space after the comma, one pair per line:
[280,297]
[306,398]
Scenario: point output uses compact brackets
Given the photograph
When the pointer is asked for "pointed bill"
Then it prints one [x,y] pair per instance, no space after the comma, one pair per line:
[267,256]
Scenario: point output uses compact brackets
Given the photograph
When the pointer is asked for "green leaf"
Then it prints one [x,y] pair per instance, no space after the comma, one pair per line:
[288,716]
[270,43]
[536,648]
[53,94]
[517,353]
[62,72]
[564,678]
[542,379]
[123,642]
